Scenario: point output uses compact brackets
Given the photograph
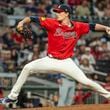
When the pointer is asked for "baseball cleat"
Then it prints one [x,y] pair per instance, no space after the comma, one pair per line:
[7,100]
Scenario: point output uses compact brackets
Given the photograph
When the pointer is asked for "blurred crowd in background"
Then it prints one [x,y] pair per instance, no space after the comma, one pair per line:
[43,7]
[15,51]
[91,53]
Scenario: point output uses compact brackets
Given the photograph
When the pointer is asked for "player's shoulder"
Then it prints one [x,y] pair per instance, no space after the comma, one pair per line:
[78,23]
[47,19]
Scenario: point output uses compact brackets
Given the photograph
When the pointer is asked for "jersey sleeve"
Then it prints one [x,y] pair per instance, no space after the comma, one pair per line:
[42,21]
[46,22]
[84,28]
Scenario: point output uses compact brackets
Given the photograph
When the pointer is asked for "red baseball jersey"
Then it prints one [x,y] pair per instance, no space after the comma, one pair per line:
[61,38]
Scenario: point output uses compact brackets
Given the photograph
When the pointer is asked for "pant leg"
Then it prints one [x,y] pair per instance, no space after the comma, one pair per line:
[50,65]
[75,72]
[44,65]
[71,93]
[63,91]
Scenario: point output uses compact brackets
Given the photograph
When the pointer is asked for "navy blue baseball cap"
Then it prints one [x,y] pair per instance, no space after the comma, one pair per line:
[63,8]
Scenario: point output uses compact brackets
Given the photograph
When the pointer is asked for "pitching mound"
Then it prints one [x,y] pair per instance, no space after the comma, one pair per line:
[75,107]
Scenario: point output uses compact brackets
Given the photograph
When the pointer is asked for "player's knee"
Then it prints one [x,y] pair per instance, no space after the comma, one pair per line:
[27,67]
[86,82]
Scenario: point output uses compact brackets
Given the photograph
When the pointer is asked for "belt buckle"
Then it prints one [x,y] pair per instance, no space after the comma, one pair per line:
[50,55]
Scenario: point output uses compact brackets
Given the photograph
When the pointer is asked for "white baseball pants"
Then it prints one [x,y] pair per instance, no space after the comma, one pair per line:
[49,65]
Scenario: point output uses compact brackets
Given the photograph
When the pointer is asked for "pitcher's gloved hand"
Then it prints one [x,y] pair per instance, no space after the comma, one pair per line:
[26,31]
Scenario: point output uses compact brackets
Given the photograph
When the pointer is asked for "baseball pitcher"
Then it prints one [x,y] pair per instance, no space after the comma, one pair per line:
[63,35]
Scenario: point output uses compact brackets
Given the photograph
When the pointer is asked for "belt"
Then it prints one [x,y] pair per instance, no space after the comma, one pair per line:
[67,78]
[51,56]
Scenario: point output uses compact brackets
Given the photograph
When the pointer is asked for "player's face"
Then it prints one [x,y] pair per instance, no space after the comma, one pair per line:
[61,16]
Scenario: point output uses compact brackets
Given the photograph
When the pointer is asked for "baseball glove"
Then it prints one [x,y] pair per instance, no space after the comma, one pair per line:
[26,32]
